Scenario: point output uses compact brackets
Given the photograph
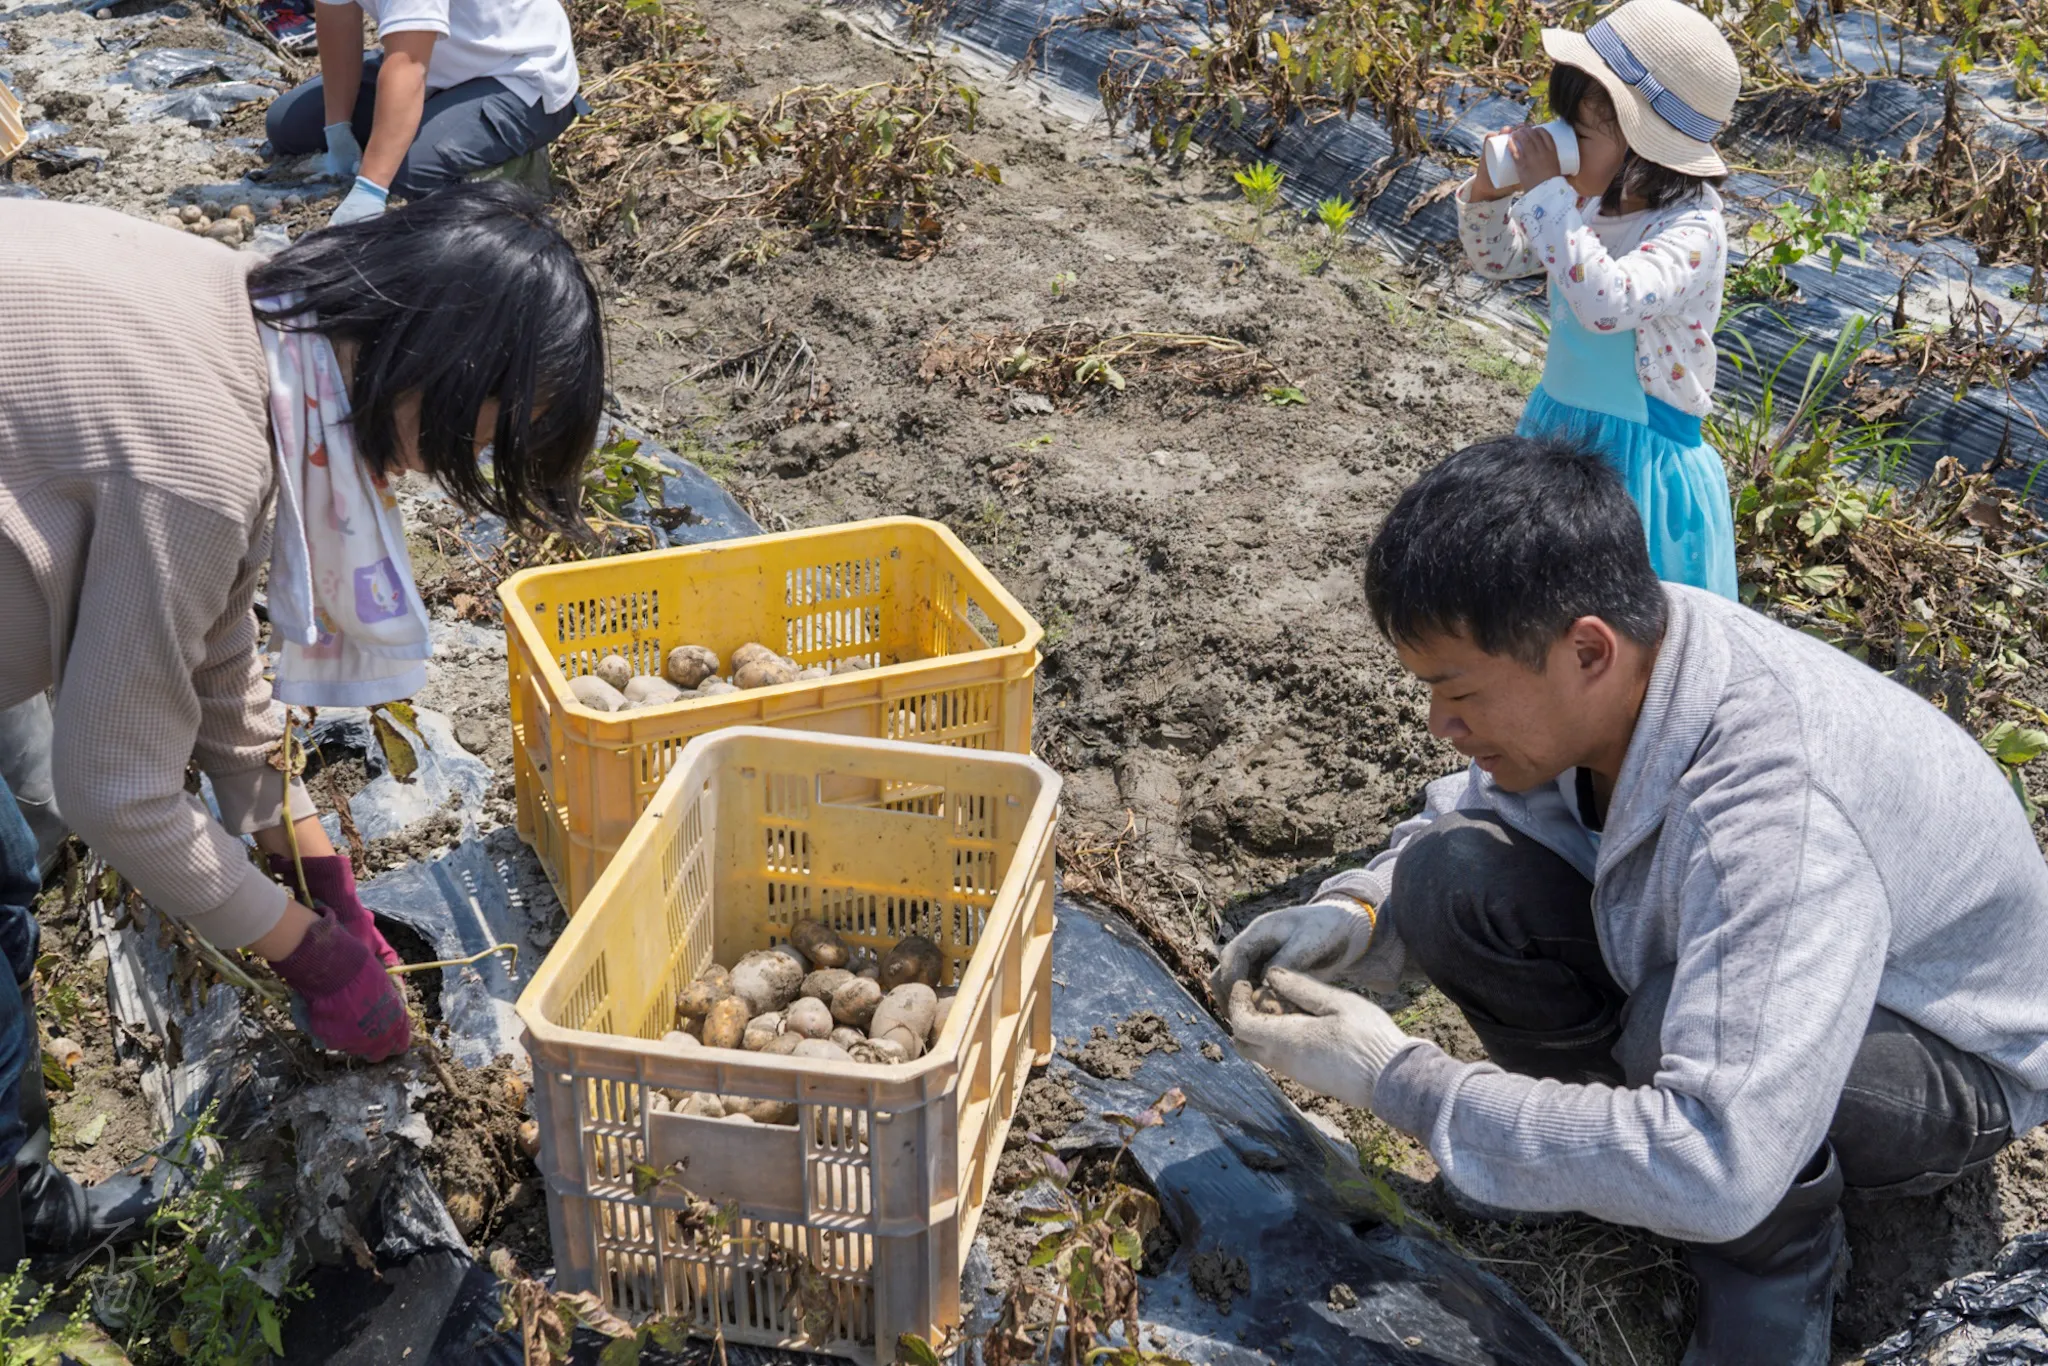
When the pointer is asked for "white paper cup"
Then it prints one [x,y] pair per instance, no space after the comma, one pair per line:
[1500,163]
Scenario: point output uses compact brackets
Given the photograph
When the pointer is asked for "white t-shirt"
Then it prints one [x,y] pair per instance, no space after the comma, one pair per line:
[525,44]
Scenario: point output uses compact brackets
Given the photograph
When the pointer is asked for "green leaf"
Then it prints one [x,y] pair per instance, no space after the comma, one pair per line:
[1281,395]
[1822,579]
[620,1352]
[1048,1249]
[273,1331]
[399,754]
[912,1350]
[2012,745]
[1129,1246]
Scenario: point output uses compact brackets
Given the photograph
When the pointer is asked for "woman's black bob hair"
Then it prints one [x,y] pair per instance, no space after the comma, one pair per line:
[466,295]
[1577,98]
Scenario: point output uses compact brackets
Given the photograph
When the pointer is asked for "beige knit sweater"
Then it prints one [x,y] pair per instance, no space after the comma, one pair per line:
[136,488]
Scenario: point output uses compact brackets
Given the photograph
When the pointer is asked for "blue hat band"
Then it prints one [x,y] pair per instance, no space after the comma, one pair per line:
[1637,77]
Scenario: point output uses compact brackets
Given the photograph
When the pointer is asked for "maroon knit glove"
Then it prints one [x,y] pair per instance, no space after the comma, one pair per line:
[332,884]
[350,1003]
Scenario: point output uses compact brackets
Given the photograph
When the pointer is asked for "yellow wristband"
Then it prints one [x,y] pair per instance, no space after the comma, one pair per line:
[1372,916]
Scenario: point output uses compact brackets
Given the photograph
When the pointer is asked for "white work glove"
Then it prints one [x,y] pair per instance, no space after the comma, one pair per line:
[1339,1045]
[344,153]
[366,200]
[1331,941]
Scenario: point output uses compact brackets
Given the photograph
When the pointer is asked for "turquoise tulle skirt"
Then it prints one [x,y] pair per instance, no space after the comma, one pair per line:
[1675,477]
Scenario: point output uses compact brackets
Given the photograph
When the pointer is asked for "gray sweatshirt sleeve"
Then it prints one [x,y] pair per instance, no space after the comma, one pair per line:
[1374,882]
[1783,933]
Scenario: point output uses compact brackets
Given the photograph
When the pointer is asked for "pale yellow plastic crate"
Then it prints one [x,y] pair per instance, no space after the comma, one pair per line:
[866,1206]
[957,657]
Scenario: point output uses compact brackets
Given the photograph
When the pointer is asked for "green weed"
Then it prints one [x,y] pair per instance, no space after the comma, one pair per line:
[1335,214]
[1063,283]
[1831,223]
[1260,182]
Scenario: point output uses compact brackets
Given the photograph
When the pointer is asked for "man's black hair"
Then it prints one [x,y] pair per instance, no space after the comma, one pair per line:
[1575,95]
[468,294]
[1507,543]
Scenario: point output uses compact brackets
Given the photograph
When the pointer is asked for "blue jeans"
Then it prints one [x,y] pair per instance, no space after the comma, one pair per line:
[20,881]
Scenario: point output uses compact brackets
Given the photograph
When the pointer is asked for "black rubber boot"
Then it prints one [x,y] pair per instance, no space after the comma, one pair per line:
[1769,1296]
[50,1214]
[13,1238]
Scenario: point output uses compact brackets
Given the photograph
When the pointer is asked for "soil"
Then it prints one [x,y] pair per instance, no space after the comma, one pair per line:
[1117,1056]
[1228,728]
[1219,1277]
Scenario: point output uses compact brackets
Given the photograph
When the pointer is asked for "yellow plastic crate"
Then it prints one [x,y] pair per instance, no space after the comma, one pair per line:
[854,1223]
[956,655]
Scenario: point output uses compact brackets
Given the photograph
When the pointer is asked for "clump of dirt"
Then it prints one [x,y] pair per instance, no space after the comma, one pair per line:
[491,1187]
[1219,1277]
[1117,1057]
[421,842]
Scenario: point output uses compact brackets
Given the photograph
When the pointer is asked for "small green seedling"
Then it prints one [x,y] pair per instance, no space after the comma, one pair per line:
[1282,395]
[1261,185]
[1335,214]
[1063,283]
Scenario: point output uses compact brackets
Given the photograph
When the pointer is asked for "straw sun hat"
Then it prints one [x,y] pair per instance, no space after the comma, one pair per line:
[1672,76]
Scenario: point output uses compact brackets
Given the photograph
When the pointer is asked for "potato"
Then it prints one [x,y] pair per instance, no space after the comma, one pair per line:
[905,1016]
[809,1017]
[812,674]
[769,979]
[616,670]
[725,1025]
[824,1049]
[705,1104]
[914,959]
[657,1103]
[751,651]
[192,213]
[847,1037]
[771,1111]
[699,996]
[848,666]
[596,694]
[716,972]
[855,1001]
[878,1052]
[529,1137]
[714,687]
[1269,1002]
[739,1119]
[945,1008]
[782,1045]
[244,212]
[649,691]
[689,665]
[761,1030]
[820,943]
[862,962]
[675,1038]
[764,673]
[824,982]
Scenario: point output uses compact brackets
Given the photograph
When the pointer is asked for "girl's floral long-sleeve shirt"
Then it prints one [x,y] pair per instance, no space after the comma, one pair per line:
[1658,273]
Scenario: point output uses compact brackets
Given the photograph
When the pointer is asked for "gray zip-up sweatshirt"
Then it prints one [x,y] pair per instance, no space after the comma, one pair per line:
[1798,838]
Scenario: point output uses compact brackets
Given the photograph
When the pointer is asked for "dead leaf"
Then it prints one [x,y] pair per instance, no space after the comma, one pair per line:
[1432,195]
[1987,512]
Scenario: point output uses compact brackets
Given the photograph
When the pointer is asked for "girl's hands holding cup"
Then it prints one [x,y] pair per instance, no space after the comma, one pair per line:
[1535,154]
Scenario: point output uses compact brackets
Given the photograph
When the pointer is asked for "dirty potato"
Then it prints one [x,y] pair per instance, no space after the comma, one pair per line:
[824,982]
[820,943]
[809,1017]
[905,1017]
[761,1031]
[944,1010]
[751,651]
[914,959]
[714,687]
[725,1024]
[596,694]
[675,1038]
[1270,1002]
[782,1045]
[689,665]
[846,1036]
[769,979]
[878,1052]
[616,670]
[822,1048]
[863,962]
[649,691]
[855,1001]
[764,673]
[699,996]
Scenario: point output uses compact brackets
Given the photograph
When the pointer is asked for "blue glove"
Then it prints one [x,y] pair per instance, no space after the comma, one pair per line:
[344,153]
[366,200]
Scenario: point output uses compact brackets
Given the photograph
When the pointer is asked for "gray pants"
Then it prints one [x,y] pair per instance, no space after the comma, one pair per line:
[1504,928]
[25,734]
[464,129]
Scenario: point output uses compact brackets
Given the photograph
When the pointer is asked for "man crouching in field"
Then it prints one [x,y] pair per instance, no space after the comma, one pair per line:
[1739,921]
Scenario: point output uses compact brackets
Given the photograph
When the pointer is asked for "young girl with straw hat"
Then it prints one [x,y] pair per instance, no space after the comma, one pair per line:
[1636,249]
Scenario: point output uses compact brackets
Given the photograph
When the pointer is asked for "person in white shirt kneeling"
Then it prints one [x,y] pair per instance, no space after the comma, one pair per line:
[458,87]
